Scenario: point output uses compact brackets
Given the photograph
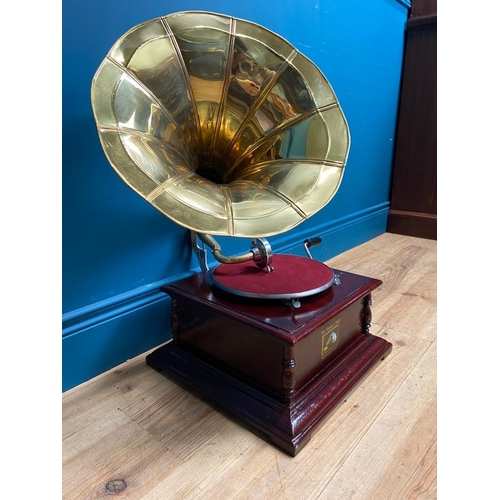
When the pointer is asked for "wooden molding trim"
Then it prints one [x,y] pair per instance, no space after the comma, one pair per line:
[415,224]
[422,22]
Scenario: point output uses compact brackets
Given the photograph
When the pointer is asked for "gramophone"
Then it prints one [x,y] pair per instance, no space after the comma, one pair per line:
[228,130]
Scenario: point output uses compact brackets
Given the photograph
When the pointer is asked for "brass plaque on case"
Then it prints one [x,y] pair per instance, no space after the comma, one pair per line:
[329,339]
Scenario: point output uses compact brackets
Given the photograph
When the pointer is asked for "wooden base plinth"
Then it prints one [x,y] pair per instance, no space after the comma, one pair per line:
[282,370]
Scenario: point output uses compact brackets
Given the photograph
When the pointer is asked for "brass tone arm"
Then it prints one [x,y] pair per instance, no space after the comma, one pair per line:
[260,252]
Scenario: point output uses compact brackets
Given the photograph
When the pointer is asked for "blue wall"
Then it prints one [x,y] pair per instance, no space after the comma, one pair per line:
[118,250]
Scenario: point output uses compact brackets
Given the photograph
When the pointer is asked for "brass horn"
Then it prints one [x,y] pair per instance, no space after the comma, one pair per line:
[220,124]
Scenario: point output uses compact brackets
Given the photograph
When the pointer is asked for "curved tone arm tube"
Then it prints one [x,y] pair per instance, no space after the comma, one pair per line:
[217,253]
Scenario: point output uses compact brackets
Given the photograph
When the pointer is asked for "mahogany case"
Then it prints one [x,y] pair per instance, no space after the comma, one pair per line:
[281,369]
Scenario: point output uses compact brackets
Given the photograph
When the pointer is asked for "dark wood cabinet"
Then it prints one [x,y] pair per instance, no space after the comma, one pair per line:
[281,369]
[413,208]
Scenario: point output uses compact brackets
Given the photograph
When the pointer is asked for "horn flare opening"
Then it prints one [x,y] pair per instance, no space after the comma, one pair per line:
[220,124]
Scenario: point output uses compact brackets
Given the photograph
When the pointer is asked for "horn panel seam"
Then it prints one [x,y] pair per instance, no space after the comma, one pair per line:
[138,133]
[147,174]
[163,187]
[282,197]
[158,37]
[124,178]
[229,210]
[254,168]
[327,163]
[187,79]
[182,202]
[225,86]
[291,123]
[117,130]
[255,105]
[148,92]
[155,192]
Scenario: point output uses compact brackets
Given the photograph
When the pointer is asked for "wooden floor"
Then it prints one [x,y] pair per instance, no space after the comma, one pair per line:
[134,427]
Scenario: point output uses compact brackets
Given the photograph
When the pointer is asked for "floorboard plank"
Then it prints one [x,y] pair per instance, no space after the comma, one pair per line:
[396,458]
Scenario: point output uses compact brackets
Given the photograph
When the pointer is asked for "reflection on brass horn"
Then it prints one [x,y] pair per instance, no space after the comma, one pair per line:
[220,124]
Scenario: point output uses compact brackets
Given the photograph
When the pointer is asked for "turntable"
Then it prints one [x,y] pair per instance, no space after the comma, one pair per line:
[228,130]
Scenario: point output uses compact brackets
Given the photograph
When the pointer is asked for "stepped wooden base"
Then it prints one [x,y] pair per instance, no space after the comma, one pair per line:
[282,370]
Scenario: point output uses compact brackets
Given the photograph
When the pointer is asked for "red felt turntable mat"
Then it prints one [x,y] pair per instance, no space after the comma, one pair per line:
[293,276]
